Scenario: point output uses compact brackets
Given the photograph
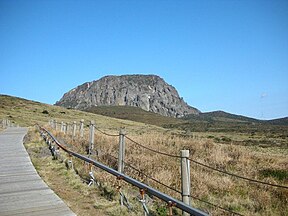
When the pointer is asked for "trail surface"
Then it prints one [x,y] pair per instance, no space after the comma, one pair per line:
[22,191]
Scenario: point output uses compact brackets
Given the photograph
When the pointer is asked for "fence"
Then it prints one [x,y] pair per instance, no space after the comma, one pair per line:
[7,123]
[184,158]
[185,206]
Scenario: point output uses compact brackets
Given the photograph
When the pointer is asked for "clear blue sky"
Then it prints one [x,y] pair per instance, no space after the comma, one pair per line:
[229,55]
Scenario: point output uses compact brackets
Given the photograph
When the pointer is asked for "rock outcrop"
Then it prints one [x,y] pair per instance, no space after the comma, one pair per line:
[148,92]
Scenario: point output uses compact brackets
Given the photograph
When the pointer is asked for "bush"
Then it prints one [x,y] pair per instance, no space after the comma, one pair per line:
[45,112]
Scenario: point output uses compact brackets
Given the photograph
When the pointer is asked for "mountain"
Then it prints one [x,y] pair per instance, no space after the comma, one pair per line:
[148,92]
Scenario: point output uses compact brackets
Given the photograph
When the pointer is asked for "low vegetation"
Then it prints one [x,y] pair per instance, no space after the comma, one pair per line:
[234,194]
[256,154]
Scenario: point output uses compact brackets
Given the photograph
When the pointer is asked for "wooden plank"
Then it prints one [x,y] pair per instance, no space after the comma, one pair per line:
[12,179]
[22,191]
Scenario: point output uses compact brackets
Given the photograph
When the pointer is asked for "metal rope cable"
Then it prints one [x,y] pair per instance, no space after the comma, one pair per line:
[217,206]
[209,167]
[107,134]
[150,149]
[139,171]
[238,176]
[153,179]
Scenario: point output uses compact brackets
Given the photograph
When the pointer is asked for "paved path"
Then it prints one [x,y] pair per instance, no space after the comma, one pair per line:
[22,191]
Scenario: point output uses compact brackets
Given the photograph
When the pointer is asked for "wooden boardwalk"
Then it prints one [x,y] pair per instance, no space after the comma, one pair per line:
[22,191]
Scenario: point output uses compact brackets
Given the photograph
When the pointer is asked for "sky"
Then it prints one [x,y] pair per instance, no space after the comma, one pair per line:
[229,55]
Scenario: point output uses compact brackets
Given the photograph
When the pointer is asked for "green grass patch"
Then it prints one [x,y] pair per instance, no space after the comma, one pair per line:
[277,174]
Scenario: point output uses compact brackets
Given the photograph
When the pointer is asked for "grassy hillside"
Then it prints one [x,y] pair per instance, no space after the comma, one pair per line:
[134,114]
[219,126]
[223,116]
[217,121]
[27,113]
[280,121]
[220,121]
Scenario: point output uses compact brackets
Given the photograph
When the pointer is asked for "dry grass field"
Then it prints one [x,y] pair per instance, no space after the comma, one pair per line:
[238,195]
[225,151]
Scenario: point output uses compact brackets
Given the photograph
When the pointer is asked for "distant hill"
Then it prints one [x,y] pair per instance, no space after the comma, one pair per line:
[280,121]
[222,117]
[210,121]
[148,92]
[223,121]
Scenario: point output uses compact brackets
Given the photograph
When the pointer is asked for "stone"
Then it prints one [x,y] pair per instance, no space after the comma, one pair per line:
[149,92]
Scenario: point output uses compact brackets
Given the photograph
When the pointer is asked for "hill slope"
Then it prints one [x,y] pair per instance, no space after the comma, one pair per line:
[134,114]
[211,121]
[280,121]
[27,113]
[223,121]
[148,92]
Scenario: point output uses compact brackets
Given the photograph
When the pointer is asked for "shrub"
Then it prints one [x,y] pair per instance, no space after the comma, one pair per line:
[45,112]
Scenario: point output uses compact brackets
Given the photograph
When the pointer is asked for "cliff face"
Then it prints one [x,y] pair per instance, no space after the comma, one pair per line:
[148,92]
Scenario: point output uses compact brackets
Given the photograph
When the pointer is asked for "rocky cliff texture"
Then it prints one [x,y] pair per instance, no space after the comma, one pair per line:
[148,92]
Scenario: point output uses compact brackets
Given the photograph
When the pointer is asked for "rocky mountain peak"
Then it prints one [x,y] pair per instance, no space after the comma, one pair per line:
[149,92]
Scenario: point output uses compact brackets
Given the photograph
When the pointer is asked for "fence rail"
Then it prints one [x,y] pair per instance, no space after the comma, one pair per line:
[6,123]
[170,200]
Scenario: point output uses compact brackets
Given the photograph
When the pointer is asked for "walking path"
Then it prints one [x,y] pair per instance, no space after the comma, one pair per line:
[22,191]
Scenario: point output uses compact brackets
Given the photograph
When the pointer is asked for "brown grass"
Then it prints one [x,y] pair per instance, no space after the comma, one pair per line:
[231,193]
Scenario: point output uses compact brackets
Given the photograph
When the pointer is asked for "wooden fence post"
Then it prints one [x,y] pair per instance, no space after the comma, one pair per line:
[185,178]
[56,127]
[68,126]
[81,128]
[91,137]
[74,129]
[121,155]
[62,127]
